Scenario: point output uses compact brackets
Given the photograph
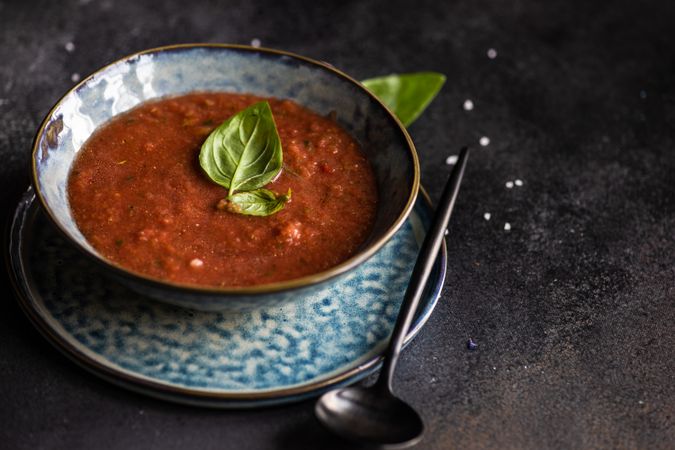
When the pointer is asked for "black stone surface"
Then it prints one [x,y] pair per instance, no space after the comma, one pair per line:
[572,309]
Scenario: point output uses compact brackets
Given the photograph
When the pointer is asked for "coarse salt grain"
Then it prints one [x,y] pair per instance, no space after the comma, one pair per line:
[492,53]
[507,226]
[468,105]
[484,141]
[75,77]
[451,160]
[509,184]
[196,262]
[447,232]
[518,182]
[255,42]
[487,216]
[70,47]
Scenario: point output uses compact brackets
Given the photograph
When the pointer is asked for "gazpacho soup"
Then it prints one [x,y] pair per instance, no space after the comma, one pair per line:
[142,199]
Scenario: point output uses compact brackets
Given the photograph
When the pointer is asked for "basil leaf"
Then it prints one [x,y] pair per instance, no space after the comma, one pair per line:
[261,202]
[407,95]
[244,152]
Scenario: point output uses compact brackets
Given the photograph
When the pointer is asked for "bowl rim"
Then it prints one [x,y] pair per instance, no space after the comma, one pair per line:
[262,289]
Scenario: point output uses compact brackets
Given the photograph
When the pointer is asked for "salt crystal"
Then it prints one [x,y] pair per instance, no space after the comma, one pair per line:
[468,105]
[507,226]
[451,160]
[447,232]
[487,216]
[492,53]
[518,182]
[195,263]
[70,47]
[509,184]
[255,43]
[75,77]
[484,141]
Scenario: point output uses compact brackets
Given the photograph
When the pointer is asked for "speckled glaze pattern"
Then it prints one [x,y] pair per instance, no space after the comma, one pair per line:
[178,70]
[272,350]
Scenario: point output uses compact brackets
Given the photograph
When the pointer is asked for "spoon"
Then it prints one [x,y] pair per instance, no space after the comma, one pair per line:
[373,414]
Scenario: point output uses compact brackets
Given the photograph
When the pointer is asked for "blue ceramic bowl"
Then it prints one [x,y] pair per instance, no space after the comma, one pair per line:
[179,69]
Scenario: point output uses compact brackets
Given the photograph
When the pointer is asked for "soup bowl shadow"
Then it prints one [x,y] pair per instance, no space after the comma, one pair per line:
[180,69]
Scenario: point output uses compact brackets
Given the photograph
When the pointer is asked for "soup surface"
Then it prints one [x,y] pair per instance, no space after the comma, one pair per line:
[141,199]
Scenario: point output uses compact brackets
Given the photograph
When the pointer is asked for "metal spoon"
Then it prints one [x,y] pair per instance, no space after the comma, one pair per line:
[373,414]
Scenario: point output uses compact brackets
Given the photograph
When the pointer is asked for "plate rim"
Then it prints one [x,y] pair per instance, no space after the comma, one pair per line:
[16,267]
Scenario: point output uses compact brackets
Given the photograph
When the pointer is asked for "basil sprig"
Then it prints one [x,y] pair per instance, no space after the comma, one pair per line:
[408,94]
[244,154]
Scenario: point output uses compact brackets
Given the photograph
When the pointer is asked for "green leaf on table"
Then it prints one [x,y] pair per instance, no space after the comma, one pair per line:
[261,202]
[408,94]
[244,152]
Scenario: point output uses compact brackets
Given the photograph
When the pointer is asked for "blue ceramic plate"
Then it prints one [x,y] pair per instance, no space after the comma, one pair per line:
[269,355]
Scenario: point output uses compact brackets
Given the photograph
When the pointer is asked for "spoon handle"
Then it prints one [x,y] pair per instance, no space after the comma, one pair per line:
[423,265]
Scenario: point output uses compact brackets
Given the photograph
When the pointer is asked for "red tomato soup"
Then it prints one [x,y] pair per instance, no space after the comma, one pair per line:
[140,197]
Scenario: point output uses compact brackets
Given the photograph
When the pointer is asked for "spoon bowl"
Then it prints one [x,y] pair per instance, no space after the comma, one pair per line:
[370,416]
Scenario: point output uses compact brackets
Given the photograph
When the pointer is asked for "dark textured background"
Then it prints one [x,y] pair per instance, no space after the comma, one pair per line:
[573,309]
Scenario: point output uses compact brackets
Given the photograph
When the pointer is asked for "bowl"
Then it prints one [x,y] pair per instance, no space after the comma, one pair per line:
[179,69]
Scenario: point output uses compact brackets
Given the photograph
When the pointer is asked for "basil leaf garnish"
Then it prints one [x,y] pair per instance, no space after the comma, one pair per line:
[407,95]
[261,202]
[244,152]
